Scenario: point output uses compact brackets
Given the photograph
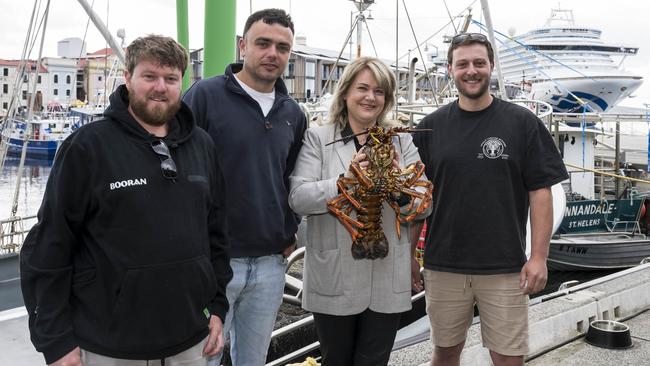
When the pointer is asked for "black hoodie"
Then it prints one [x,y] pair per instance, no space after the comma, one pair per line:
[124,262]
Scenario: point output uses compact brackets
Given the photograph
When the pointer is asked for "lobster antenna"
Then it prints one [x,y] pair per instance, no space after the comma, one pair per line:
[347,137]
[368,130]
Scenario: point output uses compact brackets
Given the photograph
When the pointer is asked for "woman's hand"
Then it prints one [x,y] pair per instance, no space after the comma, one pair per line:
[396,159]
[360,158]
[417,284]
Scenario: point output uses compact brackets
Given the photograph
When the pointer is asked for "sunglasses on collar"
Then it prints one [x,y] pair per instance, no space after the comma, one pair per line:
[167,164]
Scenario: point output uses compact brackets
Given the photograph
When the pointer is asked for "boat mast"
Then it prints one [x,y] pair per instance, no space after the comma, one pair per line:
[103,30]
[6,123]
[488,23]
[29,127]
[361,5]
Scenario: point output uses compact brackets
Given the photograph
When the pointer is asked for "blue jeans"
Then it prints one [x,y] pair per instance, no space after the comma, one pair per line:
[254,294]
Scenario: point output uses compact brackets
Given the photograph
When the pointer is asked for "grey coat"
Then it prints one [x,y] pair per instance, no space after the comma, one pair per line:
[333,282]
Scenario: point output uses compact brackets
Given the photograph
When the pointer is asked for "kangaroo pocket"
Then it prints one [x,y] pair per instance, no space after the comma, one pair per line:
[162,305]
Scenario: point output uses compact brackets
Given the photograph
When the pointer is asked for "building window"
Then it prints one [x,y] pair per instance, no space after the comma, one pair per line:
[67,92]
[56,79]
[39,79]
[290,71]
[5,88]
[310,87]
[5,105]
[56,91]
[5,71]
[326,71]
[67,79]
[25,78]
[310,82]
[99,78]
[310,69]
[24,94]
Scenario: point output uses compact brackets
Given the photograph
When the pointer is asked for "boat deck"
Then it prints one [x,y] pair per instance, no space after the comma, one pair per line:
[581,353]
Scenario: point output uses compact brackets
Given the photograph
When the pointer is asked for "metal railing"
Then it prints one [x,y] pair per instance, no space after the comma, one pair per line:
[12,234]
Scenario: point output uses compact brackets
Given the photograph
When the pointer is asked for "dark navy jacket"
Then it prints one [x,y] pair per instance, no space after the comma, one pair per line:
[257,154]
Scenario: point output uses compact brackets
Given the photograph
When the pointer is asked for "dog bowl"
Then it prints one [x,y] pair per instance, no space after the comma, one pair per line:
[609,334]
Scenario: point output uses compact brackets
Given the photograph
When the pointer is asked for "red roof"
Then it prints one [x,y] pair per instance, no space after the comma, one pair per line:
[15,63]
[102,52]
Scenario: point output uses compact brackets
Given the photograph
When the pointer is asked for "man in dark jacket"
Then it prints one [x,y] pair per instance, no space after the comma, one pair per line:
[258,131]
[128,260]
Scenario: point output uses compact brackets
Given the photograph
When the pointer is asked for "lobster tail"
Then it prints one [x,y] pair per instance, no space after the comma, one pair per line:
[375,247]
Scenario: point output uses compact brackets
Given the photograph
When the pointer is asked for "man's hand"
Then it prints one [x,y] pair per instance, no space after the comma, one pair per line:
[417,284]
[73,358]
[214,345]
[533,276]
[288,250]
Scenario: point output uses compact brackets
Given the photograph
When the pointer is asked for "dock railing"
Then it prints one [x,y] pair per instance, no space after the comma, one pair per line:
[12,234]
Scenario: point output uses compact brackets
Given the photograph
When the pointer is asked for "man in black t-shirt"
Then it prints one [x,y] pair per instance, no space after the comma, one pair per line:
[489,161]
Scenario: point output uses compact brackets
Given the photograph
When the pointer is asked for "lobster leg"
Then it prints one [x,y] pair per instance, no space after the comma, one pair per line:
[396,208]
[418,169]
[336,207]
[341,183]
[361,175]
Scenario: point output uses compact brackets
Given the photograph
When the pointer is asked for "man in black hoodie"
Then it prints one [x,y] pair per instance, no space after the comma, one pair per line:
[128,260]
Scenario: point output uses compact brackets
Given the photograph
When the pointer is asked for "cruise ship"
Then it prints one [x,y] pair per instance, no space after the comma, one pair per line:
[569,66]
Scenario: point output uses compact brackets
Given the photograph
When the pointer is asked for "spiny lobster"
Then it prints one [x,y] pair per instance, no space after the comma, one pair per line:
[380,182]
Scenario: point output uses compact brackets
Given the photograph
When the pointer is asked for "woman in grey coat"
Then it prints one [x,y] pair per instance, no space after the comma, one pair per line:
[356,302]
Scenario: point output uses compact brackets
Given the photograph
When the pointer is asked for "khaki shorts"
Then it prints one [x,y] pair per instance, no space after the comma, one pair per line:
[190,357]
[502,306]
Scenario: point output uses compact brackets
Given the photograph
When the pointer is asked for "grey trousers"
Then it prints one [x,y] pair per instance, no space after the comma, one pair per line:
[190,357]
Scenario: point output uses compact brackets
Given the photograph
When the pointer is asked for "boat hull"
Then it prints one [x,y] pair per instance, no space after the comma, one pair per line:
[600,92]
[35,149]
[597,252]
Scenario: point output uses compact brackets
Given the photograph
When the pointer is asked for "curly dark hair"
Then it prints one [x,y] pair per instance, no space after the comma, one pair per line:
[270,17]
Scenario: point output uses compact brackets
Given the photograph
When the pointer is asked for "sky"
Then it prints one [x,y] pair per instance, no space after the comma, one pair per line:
[326,23]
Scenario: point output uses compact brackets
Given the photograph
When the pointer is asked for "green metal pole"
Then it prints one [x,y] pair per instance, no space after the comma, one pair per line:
[219,39]
[183,37]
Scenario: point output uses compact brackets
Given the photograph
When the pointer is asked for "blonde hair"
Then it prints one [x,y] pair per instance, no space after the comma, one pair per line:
[338,112]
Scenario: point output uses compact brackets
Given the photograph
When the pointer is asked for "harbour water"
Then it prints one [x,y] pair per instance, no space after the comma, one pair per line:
[32,186]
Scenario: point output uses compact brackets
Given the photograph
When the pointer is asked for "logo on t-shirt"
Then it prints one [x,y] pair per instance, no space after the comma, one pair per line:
[492,148]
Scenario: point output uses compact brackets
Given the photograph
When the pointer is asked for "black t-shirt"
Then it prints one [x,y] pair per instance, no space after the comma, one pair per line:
[482,165]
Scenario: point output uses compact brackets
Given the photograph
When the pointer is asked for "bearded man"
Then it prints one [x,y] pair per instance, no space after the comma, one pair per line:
[490,161]
[128,262]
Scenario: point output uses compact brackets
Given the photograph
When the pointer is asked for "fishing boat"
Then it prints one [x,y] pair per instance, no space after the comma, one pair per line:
[45,132]
[569,66]
[600,235]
